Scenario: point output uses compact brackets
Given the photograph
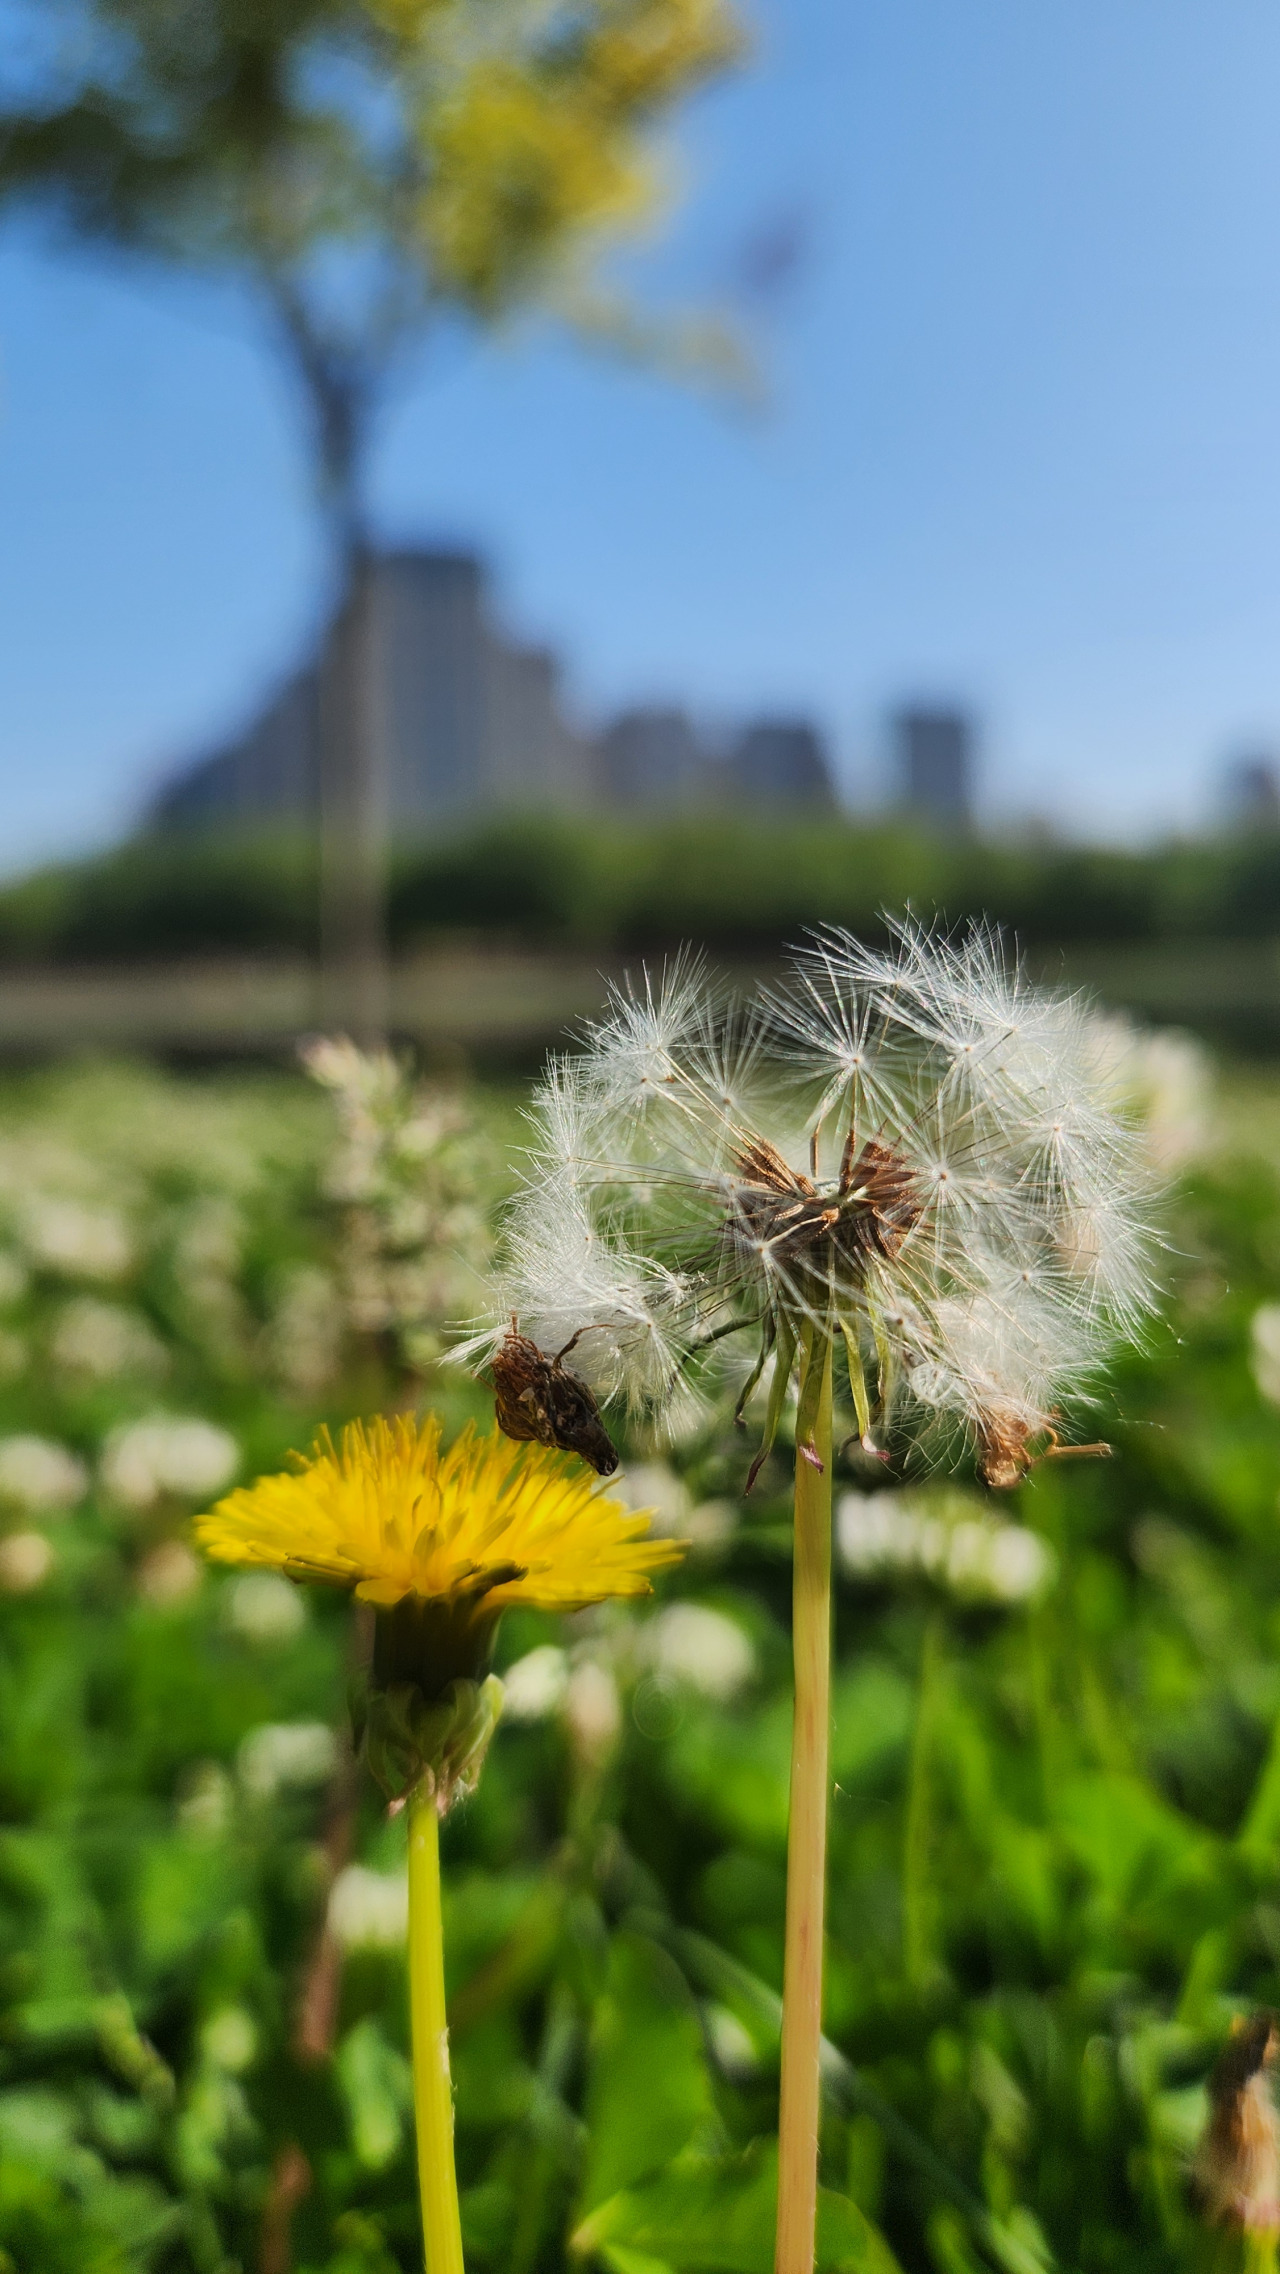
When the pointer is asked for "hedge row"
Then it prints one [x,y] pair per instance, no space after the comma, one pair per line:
[737,884]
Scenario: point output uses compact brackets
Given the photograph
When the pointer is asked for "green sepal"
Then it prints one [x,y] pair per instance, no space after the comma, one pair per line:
[884,1358]
[409,1739]
[784,1360]
[767,1337]
[857,1381]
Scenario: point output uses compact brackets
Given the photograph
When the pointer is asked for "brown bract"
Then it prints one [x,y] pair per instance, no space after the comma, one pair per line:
[537,1399]
[1005,1453]
[875,1205]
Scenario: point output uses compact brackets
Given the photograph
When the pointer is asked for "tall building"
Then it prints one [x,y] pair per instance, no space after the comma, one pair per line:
[651,756]
[934,753]
[780,762]
[654,757]
[1251,792]
[465,720]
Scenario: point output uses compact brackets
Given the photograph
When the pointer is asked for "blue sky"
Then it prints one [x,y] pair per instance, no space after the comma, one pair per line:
[1021,444]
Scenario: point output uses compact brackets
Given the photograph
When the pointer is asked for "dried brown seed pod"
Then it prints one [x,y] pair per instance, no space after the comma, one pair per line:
[1238,2167]
[537,1398]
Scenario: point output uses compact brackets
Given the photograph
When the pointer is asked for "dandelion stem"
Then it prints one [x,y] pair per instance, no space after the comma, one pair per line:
[432,2091]
[807,1837]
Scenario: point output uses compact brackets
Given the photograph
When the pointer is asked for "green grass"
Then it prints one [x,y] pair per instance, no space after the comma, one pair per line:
[1055,1838]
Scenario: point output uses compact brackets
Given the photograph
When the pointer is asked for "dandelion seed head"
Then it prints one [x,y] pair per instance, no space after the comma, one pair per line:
[909,1140]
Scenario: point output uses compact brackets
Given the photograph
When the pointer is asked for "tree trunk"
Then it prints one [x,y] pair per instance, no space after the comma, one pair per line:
[353,812]
[339,386]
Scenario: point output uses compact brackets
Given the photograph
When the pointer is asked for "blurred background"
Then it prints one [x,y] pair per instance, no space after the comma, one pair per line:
[491,490]
[895,464]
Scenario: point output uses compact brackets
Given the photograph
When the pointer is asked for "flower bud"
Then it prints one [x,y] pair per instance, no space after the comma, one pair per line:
[409,1739]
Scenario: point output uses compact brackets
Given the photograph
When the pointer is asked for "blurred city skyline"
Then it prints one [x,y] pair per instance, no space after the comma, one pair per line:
[1012,288]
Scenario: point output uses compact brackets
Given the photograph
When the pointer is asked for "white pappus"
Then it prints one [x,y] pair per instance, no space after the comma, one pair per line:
[911,1150]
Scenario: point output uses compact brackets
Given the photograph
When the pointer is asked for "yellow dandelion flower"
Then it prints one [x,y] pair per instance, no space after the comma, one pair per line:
[440,1544]
[389,1516]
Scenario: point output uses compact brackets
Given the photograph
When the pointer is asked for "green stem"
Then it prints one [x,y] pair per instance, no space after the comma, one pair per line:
[807,1836]
[432,2091]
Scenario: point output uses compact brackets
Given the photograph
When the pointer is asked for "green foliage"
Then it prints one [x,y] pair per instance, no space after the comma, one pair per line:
[742,884]
[645,2028]
[367,165]
[1055,1840]
[717,2217]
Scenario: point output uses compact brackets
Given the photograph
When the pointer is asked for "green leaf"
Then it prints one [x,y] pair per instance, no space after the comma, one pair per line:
[378,2088]
[718,2217]
[648,2087]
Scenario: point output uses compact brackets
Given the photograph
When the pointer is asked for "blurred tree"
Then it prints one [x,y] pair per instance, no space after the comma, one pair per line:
[367,166]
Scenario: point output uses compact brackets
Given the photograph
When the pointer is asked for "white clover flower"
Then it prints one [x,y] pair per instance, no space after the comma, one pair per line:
[170,1575]
[1168,1076]
[891,1535]
[303,1340]
[535,1687]
[79,1241]
[654,1487]
[13,1278]
[104,1340]
[205,1802]
[593,1711]
[26,1559]
[414,1228]
[265,1608]
[1265,1340]
[693,1644]
[733,2048]
[168,1453]
[1018,1564]
[229,2039]
[369,1910]
[285,1754]
[912,1151]
[711,1526]
[876,1532]
[37,1474]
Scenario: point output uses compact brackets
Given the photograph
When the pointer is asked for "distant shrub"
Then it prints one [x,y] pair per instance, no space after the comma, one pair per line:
[741,883]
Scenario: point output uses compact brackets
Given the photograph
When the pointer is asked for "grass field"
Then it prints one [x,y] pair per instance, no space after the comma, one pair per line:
[1055,1833]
